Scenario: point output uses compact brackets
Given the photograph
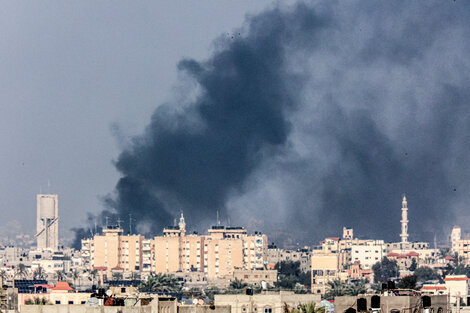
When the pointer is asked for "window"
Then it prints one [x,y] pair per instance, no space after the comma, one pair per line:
[57,302]
[268,310]
[123,289]
[70,302]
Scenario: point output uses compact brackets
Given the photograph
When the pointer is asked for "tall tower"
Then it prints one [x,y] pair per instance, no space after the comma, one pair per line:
[404,220]
[47,221]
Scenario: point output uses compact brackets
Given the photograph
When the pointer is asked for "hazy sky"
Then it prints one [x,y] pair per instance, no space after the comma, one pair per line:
[72,73]
[295,121]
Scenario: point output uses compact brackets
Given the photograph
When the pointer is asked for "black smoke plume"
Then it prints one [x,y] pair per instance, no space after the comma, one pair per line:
[314,117]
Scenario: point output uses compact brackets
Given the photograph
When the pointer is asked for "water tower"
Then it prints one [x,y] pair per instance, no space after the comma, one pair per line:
[47,221]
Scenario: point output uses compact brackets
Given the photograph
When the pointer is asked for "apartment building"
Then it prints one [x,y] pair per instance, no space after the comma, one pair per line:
[371,252]
[276,255]
[217,254]
[177,252]
[113,250]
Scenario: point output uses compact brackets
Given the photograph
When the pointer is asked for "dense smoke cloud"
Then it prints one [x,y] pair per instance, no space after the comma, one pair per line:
[314,117]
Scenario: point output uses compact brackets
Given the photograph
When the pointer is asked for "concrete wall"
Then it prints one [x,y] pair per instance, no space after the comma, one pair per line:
[204,309]
[62,308]
[261,303]
[404,304]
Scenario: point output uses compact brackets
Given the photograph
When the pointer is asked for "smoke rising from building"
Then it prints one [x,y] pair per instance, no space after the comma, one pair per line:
[313,117]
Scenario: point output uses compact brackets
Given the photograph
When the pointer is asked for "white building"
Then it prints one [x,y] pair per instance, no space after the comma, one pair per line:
[372,252]
[47,222]
[455,237]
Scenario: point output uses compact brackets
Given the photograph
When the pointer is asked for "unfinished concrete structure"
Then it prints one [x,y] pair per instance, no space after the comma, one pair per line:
[397,301]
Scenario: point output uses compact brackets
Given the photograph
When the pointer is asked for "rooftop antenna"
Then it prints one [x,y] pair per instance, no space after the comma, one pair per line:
[119,222]
[96,226]
[48,187]
[218,221]
[130,224]
[107,221]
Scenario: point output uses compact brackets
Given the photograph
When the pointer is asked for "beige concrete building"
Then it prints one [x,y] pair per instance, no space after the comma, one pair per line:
[114,251]
[276,255]
[265,303]
[255,277]
[455,237]
[326,267]
[405,302]
[216,254]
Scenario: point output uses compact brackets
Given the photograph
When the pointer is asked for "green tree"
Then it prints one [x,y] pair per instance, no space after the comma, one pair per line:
[385,270]
[93,275]
[426,273]
[309,308]
[408,282]
[3,276]
[459,270]
[135,276]
[75,276]
[358,288]
[413,265]
[238,284]
[211,291]
[117,276]
[60,275]
[289,274]
[21,270]
[337,288]
[161,283]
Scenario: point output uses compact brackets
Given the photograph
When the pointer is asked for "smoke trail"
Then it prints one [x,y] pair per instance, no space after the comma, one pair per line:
[315,117]
[192,158]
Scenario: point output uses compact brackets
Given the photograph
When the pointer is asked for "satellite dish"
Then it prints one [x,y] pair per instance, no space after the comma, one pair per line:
[109,293]
[195,301]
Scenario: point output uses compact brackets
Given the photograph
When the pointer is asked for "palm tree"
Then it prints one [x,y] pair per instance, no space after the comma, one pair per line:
[238,284]
[93,275]
[135,276]
[75,276]
[60,275]
[358,288]
[21,270]
[38,273]
[337,288]
[3,276]
[161,283]
[311,308]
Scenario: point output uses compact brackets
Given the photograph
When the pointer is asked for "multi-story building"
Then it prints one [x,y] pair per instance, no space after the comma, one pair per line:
[177,252]
[216,254]
[455,236]
[276,255]
[113,250]
[368,254]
